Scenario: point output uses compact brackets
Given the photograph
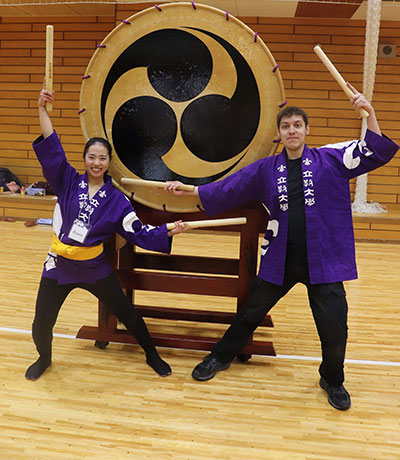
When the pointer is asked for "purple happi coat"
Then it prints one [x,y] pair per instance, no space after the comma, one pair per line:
[108,212]
[329,226]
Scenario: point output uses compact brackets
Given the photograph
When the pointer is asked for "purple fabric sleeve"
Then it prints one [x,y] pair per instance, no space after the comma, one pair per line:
[238,189]
[145,236]
[358,157]
[56,169]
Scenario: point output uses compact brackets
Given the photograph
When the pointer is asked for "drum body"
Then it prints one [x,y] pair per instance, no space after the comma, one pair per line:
[182,92]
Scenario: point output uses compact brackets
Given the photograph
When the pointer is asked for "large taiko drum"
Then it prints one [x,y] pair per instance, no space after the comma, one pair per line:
[182,92]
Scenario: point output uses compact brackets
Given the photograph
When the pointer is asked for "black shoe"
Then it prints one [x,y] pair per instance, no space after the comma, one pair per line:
[338,396]
[209,367]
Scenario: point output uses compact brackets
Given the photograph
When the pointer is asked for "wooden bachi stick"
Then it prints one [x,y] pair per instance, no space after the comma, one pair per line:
[336,75]
[153,184]
[49,63]
[211,223]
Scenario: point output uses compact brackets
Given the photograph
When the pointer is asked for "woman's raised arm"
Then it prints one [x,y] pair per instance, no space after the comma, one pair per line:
[45,123]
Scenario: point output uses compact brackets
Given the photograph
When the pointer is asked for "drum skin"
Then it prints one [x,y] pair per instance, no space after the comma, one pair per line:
[182,92]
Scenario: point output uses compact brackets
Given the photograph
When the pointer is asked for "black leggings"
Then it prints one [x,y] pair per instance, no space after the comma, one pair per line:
[51,297]
[329,307]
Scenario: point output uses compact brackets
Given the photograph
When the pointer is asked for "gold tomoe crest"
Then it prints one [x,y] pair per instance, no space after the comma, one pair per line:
[182,92]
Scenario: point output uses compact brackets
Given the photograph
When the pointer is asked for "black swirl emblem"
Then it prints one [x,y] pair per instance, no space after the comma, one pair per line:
[213,127]
[182,92]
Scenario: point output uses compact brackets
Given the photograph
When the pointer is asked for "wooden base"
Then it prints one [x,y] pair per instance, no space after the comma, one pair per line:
[169,340]
[183,274]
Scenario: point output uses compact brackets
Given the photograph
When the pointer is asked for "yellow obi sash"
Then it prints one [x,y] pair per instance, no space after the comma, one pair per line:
[75,252]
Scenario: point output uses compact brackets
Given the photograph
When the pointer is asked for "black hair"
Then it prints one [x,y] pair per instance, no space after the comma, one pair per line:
[98,140]
[287,112]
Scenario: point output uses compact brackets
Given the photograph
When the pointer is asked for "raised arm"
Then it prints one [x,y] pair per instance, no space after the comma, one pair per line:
[45,122]
[49,151]
[358,101]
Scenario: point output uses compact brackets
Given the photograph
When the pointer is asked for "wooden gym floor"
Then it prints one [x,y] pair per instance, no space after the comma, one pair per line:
[108,404]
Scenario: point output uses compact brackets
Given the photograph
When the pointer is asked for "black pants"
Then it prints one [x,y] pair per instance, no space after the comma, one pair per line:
[329,307]
[51,296]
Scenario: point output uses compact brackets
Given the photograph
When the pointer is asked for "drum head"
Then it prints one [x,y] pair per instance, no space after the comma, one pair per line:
[182,92]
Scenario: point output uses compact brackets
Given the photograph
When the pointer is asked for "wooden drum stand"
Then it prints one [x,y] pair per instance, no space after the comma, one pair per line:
[126,262]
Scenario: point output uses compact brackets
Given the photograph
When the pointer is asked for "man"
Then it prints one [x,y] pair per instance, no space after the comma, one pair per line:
[309,237]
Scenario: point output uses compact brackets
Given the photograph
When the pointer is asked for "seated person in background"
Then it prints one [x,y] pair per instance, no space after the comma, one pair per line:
[9,181]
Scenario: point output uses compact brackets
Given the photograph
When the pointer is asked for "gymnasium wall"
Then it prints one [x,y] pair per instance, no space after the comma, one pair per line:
[291,41]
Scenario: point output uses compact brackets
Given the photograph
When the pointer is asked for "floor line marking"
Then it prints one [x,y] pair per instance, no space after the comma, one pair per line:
[294,357]
[24,331]
[347,360]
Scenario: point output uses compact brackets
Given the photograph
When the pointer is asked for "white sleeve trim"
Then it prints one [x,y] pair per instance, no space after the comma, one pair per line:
[128,221]
[57,219]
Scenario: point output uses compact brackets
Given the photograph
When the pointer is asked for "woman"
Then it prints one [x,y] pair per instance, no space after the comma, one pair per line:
[89,210]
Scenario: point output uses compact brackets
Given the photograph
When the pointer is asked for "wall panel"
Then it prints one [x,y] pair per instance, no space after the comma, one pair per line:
[307,82]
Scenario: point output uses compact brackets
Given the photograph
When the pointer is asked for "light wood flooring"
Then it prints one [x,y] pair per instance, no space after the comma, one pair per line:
[108,404]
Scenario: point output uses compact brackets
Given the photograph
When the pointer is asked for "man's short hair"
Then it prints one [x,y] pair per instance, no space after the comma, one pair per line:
[287,112]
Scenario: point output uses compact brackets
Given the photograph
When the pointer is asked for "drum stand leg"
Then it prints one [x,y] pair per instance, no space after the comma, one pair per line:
[125,260]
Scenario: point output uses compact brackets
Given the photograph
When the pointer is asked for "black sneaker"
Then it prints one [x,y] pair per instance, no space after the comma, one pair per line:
[208,368]
[338,396]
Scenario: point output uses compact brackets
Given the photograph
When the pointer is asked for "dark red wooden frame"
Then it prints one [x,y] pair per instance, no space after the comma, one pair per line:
[196,275]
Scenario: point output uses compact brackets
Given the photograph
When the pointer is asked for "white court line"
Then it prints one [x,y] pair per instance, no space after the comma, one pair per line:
[302,358]
[353,361]
[24,331]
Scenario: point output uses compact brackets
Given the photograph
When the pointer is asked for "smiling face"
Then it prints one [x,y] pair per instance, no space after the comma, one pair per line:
[97,161]
[292,131]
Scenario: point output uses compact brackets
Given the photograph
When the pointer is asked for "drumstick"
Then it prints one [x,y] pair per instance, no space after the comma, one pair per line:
[49,63]
[211,223]
[336,75]
[154,184]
